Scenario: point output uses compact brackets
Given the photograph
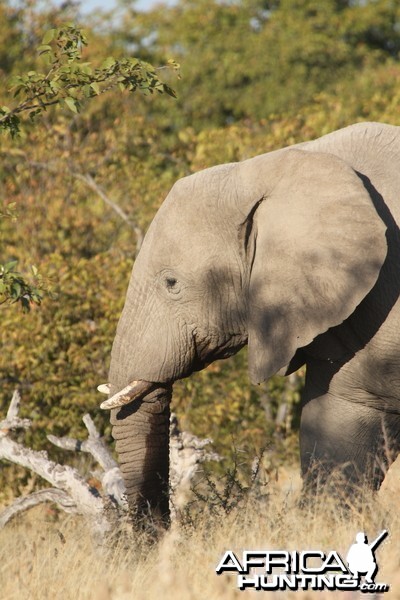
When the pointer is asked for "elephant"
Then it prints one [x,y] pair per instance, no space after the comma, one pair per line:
[295,253]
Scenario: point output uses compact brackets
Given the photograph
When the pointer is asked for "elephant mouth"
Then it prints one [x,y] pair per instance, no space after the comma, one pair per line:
[135,390]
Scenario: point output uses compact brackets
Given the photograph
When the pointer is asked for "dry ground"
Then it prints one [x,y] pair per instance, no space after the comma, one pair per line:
[42,557]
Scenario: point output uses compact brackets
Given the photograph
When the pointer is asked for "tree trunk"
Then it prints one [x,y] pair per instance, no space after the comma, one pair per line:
[141,431]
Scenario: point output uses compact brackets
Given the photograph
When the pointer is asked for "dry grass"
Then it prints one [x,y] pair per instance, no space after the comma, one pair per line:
[42,558]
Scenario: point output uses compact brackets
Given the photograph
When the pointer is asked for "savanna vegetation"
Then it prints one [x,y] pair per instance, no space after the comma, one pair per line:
[44,556]
[89,158]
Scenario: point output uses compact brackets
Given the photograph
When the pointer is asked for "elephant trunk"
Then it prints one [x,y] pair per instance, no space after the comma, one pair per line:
[141,431]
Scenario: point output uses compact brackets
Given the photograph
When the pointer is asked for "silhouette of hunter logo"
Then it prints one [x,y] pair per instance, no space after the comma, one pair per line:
[361,558]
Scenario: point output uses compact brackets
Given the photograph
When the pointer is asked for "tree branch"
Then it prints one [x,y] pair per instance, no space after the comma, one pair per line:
[95,187]
[12,420]
[61,477]
[88,179]
[111,478]
[86,499]
[187,452]
[25,502]
[70,490]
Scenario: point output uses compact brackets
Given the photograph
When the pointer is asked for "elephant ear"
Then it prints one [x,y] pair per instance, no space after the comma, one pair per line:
[315,250]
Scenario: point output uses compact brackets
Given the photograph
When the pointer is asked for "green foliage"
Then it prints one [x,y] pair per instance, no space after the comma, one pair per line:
[256,76]
[252,58]
[9,211]
[11,36]
[68,81]
[14,288]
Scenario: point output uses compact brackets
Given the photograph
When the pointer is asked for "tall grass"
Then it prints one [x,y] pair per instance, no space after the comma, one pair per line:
[42,557]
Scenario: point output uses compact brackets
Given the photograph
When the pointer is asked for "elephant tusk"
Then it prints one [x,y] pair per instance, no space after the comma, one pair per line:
[104,388]
[129,393]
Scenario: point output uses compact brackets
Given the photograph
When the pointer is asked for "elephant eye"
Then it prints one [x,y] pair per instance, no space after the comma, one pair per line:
[170,281]
[171,284]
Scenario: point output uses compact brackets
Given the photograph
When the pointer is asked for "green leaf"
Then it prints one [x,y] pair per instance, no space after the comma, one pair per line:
[15,80]
[86,69]
[168,90]
[35,112]
[49,36]
[109,62]
[10,266]
[173,63]
[55,86]
[25,304]
[72,104]
[44,48]
[95,86]
[17,90]
[16,290]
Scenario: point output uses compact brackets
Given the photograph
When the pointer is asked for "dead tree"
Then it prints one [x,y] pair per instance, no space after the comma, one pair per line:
[71,492]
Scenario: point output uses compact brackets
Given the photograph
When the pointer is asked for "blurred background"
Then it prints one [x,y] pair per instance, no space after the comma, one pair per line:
[255,75]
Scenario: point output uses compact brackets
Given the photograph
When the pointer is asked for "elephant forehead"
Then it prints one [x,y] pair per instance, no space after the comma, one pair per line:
[200,195]
[192,243]
[183,239]
[188,226]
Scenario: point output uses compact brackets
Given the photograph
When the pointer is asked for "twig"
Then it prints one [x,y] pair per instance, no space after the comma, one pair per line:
[88,179]
[111,478]
[187,452]
[12,420]
[95,187]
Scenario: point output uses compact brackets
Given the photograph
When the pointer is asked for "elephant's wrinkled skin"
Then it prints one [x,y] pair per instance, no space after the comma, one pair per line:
[295,253]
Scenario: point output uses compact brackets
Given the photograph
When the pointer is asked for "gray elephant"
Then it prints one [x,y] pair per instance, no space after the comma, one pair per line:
[295,253]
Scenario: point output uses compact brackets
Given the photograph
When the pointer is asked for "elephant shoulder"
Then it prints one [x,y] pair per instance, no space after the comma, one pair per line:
[362,145]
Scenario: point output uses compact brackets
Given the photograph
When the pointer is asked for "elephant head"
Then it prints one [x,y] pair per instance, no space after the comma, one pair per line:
[271,251]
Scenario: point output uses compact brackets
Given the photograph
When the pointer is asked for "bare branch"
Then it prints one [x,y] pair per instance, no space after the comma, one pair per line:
[70,490]
[111,479]
[94,445]
[13,409]
[187,452]
[91,427]
[88,179]
[65,443]
[87,500]
[114,486]
[62,477]
[24,503]
[95,187]
[12,421]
